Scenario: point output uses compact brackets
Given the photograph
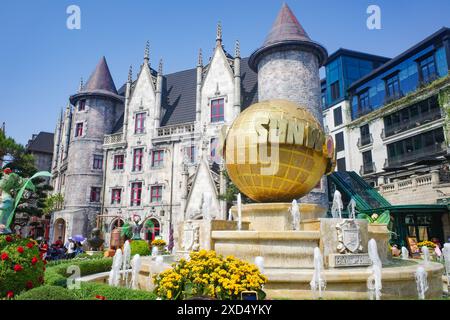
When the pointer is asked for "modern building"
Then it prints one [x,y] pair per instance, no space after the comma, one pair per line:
[391,126]
[148,151]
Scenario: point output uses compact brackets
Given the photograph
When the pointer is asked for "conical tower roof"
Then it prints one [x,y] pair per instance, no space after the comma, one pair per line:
[286,27]
[287,33]
[101,79]
[100,83]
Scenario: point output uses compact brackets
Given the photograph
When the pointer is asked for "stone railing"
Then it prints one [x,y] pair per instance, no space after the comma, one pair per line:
[177,129]
[431,179]
[113,139]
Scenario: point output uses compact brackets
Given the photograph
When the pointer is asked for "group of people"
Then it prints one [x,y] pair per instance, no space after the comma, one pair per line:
[59,250]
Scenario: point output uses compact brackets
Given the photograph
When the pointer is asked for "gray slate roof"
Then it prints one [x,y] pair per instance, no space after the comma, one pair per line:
[100,79]
[43,143]
[179,94]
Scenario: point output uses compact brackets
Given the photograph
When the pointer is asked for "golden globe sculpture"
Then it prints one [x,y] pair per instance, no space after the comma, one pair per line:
[276,151]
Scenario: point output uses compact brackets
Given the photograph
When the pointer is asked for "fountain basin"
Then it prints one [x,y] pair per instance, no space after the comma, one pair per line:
[276,216]
[280,249]
[398,283]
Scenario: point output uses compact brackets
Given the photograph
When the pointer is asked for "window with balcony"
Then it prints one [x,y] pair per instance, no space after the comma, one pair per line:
[79,129]
[139,123]
[217,110]
[118,162]
[365,135]
[137,159]
[416,148]
[115,196]
[156,194]
[82,105]
[411,117]
[427,69]
[157,158]
[367,162]
[393,87]
[136,194]
[339,138]
[335,91]
[97,162]
[95,194]
[337,116]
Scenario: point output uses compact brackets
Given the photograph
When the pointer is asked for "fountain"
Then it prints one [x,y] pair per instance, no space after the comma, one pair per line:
[405,253]
[155,251]
[422,282]
[337,206]
[351,208]
[446,255]
[239,205]
[259,261]
[318,282]
[295,211]
[126,261]
[114,274]
[230,216]
[135,269]
[426,255]
[374,285]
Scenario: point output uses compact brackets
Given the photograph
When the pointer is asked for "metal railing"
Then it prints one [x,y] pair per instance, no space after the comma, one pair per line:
[415,155]
[412,123]
[365,141]
[367,168]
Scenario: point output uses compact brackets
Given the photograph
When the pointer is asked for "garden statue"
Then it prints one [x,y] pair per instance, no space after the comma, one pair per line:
[95,241]
[137,227]
[13,187]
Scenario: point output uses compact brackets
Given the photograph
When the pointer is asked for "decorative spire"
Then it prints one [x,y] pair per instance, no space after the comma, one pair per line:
[147,52]
[100,79]
[237,49]
[130,74]
[200,57]
[80,88]
[160,67]
[219,34]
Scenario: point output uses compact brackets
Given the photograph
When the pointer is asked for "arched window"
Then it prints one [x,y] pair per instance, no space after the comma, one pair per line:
[151,229]
[59,230]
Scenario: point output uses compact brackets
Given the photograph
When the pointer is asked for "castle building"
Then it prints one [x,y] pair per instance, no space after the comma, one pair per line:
[148,151]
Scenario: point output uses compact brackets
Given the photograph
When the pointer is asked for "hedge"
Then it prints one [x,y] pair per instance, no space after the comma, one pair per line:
[47,293]
[139,247]
[56,275]
[87,291]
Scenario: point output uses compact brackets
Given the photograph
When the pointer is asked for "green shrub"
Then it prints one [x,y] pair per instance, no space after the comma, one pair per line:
[56,275]
[139,247]
[47,293]
[21,267]
[93,291]
[80,257]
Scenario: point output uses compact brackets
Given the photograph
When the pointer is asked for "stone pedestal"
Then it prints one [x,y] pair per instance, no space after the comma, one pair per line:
[276,216]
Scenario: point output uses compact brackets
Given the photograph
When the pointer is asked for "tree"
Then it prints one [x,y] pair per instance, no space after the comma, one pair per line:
[53,203]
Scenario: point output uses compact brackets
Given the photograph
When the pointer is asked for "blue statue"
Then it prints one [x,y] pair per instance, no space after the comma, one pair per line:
[13,187]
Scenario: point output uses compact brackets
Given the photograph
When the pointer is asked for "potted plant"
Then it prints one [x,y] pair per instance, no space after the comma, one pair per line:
[160,244]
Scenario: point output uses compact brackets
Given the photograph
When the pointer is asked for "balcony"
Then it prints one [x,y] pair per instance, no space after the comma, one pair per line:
[416,155]
[391,98]
[412,123]
[178,129]
[367,168]
[365,141]
[114,140]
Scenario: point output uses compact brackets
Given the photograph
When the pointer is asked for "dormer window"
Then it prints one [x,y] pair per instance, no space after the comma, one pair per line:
[139,123]
[217,110]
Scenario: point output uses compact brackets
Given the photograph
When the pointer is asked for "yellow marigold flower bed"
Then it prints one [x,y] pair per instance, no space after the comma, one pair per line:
[158,243]
[209,274]
[426,243]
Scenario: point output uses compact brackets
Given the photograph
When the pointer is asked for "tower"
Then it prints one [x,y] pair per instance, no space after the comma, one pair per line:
[288,65]
[96,108]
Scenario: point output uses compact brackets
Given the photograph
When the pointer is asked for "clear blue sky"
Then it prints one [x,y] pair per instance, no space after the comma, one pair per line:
[41,61]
